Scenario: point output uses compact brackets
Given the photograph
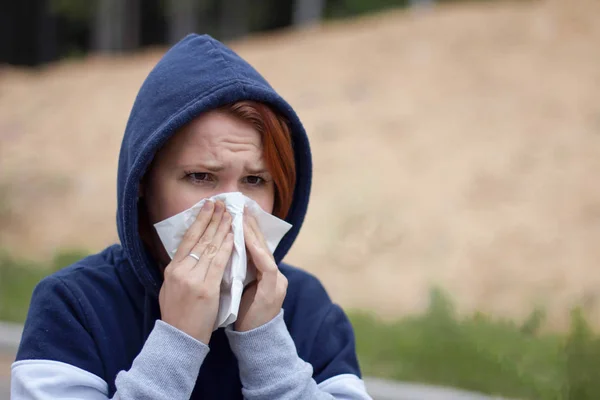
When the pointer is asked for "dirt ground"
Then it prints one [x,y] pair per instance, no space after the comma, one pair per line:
[458,146]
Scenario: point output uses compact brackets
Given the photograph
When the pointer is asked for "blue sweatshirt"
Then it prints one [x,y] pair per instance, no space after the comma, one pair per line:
[93,330]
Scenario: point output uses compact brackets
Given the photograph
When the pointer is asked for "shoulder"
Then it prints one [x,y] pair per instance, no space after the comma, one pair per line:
[306,304]
[96,292]
[96,268]
[70,308]
[96,280]
[79,278]
[303,285]
[306,297]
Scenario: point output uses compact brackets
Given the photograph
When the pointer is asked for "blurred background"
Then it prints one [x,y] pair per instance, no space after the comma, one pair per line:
[455,211]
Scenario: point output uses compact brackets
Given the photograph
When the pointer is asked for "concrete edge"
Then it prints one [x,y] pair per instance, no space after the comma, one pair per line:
[382,389]
[379,389]
[10,336]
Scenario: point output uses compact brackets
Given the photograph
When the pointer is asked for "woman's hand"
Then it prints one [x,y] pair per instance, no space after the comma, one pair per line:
[262,300]
[189,297]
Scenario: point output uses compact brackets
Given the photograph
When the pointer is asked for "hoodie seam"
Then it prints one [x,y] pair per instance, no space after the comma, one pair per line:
[81,308]
[227,64]
[86,321]
[318,330]
[239,78]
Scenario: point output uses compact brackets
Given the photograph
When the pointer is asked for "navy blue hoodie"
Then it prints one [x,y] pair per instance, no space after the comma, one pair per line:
[94,330]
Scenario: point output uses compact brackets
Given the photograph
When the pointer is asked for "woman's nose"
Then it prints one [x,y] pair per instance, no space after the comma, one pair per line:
[229,186]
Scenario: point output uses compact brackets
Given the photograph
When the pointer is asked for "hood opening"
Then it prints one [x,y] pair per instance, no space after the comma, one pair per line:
[196,75]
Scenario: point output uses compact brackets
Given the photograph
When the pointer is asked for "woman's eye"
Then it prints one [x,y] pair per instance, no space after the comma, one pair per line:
[254,180]
[199,177]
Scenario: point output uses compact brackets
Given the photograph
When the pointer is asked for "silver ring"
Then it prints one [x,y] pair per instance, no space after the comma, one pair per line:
[194,256]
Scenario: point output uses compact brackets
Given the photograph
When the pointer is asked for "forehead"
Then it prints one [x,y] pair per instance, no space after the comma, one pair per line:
[211,134]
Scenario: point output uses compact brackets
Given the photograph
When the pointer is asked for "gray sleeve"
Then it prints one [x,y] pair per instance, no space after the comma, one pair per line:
[166,368]
[270,367]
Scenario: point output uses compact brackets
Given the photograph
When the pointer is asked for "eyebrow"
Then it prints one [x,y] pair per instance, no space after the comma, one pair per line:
[256,171]
[214,167]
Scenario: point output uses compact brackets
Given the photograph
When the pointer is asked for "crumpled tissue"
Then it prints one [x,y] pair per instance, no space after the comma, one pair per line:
[237,274]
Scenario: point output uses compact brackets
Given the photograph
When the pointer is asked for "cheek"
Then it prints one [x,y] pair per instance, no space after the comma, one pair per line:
[167,197]
[266,205]
[265,200]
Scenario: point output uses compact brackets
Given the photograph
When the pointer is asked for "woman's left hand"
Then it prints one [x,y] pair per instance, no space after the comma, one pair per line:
[262,299]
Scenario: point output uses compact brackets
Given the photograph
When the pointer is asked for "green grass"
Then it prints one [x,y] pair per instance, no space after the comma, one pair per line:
[476,352]
[481,354]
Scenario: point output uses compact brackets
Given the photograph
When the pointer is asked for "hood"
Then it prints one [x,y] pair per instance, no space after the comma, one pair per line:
[196,75]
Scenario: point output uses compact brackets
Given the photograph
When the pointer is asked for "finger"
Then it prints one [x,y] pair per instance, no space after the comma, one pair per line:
[215,272]
[253,235]
[224,228]
[207,237]
[209,243]
[257,232]
[262,258]
[198,271]
[208,251]
[194,232]
[188,263]
[211,229]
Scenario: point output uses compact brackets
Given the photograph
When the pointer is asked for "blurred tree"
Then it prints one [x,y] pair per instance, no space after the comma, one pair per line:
[47,34]
[182,17]
[104,21]
[348,8]
[36,31]
[132,29]
[233,19]
[116,25]
[277,14]
[153,23]
[308,12]
[74,10]
[74,28]
[266,15]
[28,31]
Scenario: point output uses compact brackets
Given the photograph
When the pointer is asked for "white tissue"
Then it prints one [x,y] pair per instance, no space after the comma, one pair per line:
[237,275]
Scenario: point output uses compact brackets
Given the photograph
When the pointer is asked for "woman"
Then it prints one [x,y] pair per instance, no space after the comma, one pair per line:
[130,323]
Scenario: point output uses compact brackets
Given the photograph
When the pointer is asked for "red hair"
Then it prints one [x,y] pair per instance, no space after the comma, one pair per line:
[277,149]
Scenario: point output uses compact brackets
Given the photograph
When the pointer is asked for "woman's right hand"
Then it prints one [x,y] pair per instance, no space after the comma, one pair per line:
[189,296]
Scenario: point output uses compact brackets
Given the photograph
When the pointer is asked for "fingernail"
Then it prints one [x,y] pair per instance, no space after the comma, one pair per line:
[218,206]
[208,206]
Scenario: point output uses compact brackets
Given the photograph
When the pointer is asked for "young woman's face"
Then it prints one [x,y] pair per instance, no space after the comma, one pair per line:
[215,153]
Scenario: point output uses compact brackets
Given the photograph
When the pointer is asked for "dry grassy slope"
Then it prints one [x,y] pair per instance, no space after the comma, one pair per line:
[459,147]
